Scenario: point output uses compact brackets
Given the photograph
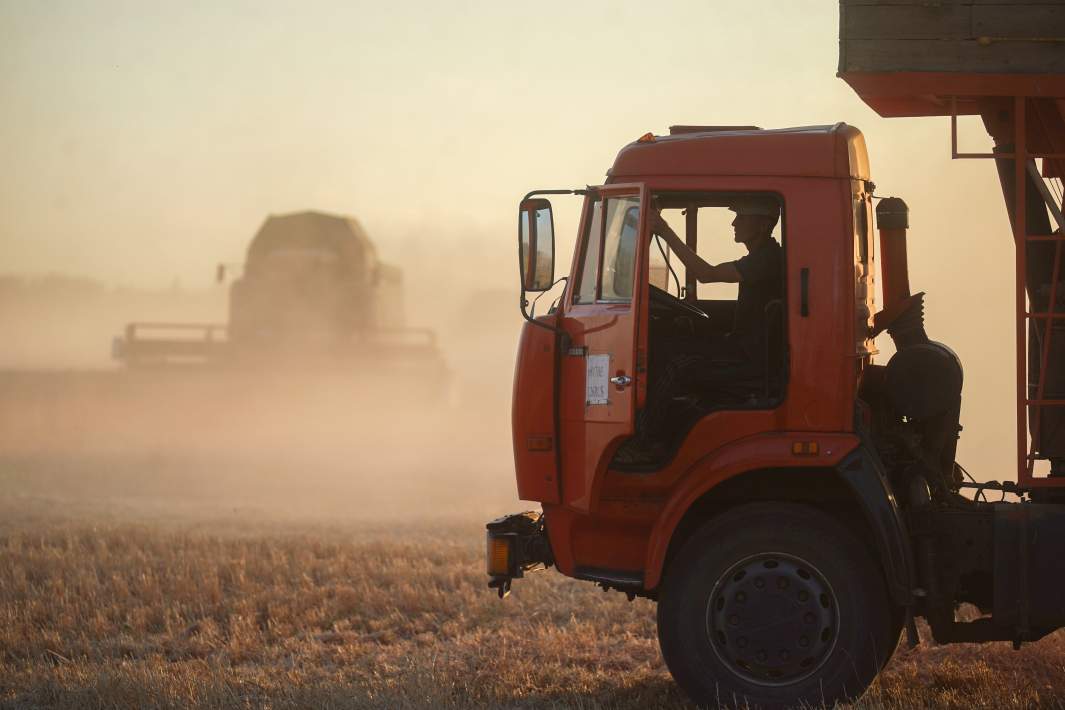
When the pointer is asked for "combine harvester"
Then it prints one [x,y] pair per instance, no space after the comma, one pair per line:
[313,295]
[800,505]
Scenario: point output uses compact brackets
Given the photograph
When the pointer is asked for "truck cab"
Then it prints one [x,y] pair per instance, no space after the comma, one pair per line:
[792,410]
[797,503]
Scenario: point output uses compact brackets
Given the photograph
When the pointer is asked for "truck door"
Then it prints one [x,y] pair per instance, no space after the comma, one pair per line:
[602,377]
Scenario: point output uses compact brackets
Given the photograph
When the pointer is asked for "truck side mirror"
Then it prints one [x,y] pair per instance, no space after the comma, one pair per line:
[536,245]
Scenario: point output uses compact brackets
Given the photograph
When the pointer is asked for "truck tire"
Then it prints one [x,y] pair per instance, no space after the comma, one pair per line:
[774,605]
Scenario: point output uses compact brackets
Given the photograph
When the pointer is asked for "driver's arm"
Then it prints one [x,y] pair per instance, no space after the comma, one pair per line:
[698,267]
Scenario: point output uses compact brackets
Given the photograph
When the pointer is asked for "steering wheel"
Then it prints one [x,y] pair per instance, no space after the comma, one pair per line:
[668,300]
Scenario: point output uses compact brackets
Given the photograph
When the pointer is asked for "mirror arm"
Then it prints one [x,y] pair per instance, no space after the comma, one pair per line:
[532,312]
[531,317]
[534,193]
[562,335]
[523,301]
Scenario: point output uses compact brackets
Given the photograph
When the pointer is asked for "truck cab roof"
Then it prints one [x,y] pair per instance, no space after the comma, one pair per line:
[834,151]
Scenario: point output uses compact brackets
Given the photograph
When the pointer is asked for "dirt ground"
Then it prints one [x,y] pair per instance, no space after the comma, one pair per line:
[308,541]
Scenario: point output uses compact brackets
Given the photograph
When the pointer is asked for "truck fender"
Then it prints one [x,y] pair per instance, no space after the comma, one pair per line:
[739,457]
[864,474]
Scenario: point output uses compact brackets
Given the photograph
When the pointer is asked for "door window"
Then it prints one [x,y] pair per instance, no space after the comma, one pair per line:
[619,248]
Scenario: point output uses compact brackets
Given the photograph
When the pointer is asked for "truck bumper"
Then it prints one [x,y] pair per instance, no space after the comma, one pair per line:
[515,544]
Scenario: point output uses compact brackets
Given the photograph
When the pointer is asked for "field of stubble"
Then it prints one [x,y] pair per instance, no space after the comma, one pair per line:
[173,561]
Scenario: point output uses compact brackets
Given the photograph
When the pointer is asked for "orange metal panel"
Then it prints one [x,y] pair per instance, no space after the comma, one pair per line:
[812,151]
[610,543]
[610,331]
[612,537]
[823,365]
[533,414]
[773,450]
[818,404]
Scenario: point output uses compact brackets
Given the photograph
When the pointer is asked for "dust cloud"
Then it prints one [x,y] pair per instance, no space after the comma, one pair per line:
[365,439]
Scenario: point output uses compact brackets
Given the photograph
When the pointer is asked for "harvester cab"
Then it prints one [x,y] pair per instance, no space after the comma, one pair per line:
[740,455]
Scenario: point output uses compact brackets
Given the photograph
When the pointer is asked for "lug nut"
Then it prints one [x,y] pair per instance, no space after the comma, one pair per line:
[734,620]
[804,596]
[762,656]
[782,583]
[784,655]
[741,597]
[803,641]
[759,582]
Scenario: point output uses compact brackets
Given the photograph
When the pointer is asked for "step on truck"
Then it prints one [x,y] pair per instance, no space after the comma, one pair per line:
[743,457]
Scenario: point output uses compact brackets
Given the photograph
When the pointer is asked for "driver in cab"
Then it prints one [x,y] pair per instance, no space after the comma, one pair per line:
[703,365]
[758,272]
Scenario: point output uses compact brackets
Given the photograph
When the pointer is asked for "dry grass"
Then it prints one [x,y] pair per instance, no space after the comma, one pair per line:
[336,566]
[239,614]
[344,616]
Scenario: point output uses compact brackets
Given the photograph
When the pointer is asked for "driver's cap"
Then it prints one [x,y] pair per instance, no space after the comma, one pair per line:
[761,206]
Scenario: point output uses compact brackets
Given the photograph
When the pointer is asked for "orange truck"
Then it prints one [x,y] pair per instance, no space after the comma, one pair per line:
[791,503]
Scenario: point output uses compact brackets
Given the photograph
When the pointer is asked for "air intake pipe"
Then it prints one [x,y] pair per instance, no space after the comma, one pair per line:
[903,314]
[893,219]
[923,379]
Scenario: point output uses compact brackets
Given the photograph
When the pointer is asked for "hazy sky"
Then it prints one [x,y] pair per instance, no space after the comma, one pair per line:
[145,141]
[142,142]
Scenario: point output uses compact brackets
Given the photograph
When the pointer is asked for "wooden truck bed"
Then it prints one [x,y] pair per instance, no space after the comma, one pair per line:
[970,36]
[941,58]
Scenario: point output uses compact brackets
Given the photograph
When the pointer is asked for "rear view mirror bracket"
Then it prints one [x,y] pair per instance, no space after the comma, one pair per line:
[531,252]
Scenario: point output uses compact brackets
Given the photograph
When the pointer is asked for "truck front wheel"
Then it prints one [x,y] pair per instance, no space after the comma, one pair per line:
[774,605]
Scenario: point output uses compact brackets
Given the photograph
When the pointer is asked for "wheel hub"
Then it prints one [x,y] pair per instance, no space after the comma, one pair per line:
[772,619]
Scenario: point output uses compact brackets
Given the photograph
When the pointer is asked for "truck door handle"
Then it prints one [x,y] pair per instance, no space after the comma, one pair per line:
[621,380]
[804,292]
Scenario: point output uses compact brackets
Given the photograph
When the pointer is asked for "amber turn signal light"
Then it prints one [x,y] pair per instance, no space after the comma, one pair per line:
[804,448]
[498,556]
